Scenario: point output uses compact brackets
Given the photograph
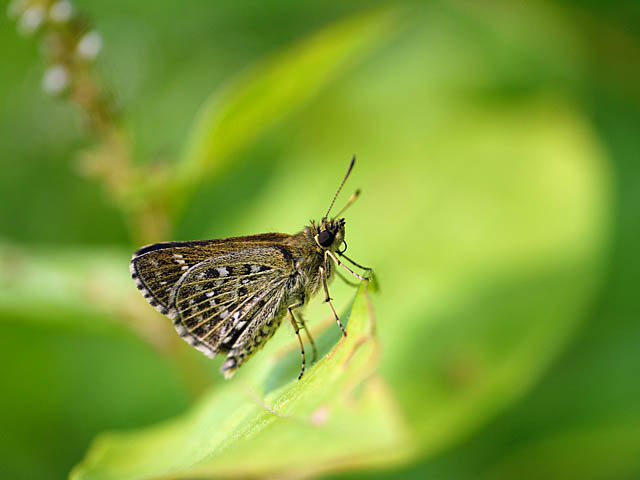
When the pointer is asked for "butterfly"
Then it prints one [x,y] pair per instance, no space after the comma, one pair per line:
[229,295]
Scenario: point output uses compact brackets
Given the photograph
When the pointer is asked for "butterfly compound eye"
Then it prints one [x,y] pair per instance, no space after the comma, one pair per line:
[325,238]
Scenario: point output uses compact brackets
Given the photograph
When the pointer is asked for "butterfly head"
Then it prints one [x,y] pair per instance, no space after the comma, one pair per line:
[329,234]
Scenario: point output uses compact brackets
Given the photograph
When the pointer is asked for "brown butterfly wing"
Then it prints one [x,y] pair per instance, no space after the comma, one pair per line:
[218,299]
[157,268]
[215,291]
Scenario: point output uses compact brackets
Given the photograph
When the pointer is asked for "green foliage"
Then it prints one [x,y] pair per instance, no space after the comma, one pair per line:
[340,414]
[505,251]
[261,96]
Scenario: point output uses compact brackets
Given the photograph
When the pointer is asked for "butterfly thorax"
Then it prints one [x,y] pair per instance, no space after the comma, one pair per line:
[309,248]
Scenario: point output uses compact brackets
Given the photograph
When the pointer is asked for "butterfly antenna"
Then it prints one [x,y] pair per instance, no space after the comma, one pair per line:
[353,160]
[349,202]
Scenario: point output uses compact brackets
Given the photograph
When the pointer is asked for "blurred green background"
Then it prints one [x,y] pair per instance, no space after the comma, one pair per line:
[497,149]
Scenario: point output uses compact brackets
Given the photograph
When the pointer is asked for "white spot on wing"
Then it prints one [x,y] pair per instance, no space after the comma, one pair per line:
[222,271]
[224,314]
[210,293]
[255,268]
[206,350]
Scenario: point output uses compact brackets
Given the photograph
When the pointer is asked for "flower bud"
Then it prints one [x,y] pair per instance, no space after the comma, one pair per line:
[61,11]
[55,80]
[89,45]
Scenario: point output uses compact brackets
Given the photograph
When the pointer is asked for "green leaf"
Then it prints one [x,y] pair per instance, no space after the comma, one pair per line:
[598,451]
[262,95]
[86,281]
[339,415]
[68,348]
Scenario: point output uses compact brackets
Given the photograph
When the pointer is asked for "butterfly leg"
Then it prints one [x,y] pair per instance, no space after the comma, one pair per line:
[313,344]
[327,298]
[335,259]
[346,280]
[354,263]
[296,329]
